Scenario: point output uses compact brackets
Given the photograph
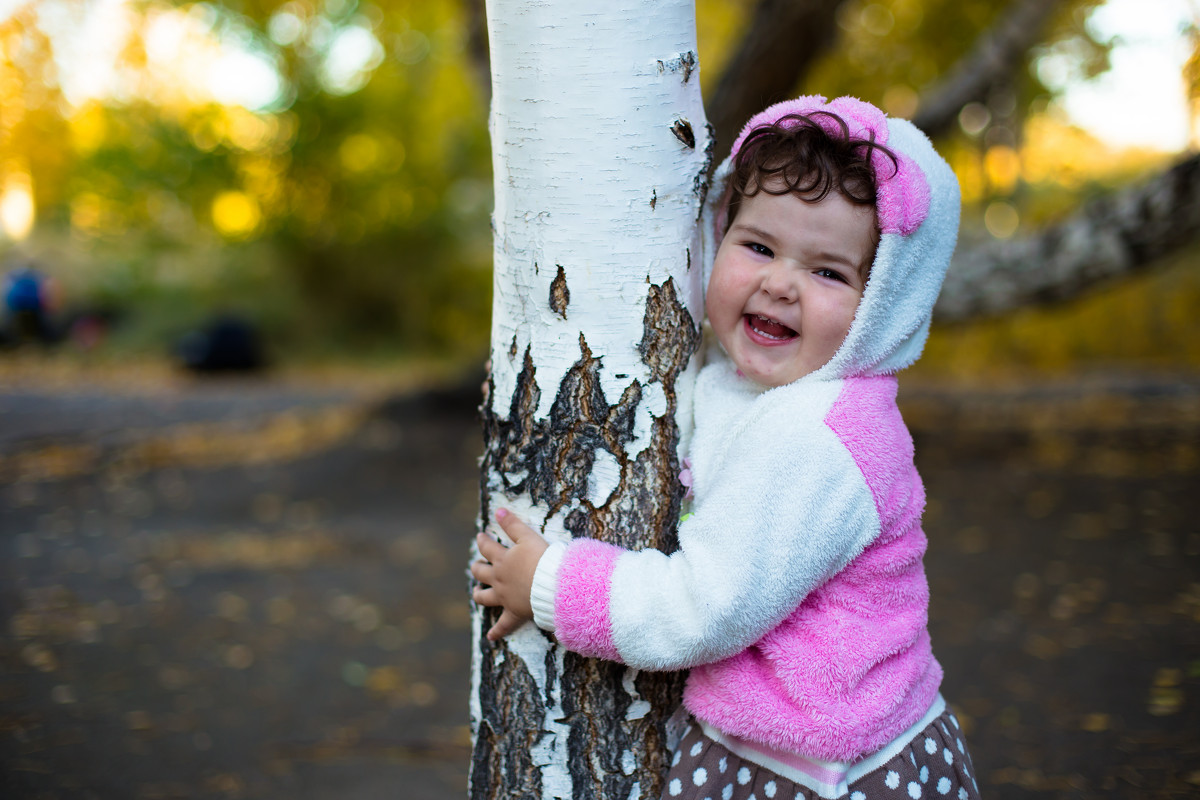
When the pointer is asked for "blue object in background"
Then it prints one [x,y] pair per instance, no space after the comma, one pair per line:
[23,291]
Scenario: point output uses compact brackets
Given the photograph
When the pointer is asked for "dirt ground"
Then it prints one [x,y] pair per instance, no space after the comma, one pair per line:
[248,589]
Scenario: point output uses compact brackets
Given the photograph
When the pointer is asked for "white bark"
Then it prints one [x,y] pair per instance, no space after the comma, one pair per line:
[589,176]
[600,152]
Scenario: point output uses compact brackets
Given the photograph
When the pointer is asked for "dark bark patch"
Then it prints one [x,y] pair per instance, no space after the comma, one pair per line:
[684,63]
[551,460]
[560,295]
[653,198]
[513,445]
[577,523]
[702,180]
[582,422]
[684,133]
[669,335]
[594,696]
[511,722]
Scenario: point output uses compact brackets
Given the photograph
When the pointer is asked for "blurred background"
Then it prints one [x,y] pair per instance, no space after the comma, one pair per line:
[322,171]
[245,261]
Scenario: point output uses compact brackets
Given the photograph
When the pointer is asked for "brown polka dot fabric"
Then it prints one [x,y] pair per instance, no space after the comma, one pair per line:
[935,764]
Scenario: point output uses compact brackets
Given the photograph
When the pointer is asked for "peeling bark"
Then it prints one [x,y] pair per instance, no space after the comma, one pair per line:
[600,169]
[494,755]
[552,460]
[684,63]
[683,132]
[596,696]
[560,295]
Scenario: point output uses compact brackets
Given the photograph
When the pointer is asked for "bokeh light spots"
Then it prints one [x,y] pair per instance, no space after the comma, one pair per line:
[1003,168]
[235,214]
[359,152]
[1001,219]
[17,211]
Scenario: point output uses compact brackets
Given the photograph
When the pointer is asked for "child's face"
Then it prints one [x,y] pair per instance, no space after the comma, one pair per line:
[786,282]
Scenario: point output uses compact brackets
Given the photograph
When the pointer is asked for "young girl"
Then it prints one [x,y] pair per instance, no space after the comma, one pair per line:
[797,597]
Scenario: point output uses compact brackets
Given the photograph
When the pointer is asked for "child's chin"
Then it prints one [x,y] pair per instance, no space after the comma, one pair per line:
[768,378]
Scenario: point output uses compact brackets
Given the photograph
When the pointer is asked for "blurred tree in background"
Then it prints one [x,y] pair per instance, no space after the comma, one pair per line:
[348,202]
[323,166]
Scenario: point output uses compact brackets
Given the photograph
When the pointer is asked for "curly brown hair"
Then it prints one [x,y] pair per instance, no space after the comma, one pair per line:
[796,154]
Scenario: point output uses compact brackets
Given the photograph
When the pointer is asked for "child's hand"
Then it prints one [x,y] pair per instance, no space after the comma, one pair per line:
[510,573]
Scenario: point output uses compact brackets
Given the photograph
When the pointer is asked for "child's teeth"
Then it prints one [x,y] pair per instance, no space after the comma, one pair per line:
[772,329]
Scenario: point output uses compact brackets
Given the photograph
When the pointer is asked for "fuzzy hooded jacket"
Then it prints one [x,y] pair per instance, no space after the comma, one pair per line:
[797,596]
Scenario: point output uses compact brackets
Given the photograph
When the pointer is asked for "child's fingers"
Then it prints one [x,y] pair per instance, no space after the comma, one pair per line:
[507,623]
[483,572]
[513,526]
[486,596]
[489,548]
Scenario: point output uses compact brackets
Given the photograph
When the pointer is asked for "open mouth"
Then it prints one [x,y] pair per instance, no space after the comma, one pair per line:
[768,328]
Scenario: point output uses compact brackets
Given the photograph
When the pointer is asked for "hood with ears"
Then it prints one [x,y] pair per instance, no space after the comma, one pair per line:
[917,207]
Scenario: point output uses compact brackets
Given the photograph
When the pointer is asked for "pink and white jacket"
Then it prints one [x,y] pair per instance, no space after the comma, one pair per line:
[797,596]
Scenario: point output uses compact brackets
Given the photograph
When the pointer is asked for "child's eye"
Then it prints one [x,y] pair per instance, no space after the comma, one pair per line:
[760,249]
[832,274]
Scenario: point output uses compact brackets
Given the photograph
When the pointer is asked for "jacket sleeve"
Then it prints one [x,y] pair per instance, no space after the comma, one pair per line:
[787,512]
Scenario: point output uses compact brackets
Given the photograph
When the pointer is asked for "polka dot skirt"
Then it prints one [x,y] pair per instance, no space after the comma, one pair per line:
[935,765]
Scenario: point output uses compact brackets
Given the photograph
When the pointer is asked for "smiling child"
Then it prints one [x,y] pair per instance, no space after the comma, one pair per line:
[797,598]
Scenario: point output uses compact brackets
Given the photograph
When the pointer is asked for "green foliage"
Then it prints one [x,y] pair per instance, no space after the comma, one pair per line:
[351,208]
[350,211]
[889,52]
[1151,321]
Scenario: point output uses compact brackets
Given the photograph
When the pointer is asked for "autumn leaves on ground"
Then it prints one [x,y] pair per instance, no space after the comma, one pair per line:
[255,588]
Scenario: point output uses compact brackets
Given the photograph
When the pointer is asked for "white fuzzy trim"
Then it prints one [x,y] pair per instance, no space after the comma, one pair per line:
[780,508]
[545,584]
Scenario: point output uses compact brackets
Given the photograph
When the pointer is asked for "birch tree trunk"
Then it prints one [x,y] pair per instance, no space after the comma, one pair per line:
[600,154]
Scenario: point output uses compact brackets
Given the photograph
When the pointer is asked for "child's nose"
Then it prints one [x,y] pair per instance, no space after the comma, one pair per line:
[779,284]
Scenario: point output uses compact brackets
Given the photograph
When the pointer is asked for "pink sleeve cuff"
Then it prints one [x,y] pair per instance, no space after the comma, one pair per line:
[582,620]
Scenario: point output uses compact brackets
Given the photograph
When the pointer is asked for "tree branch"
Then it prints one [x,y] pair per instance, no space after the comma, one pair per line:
[479,56]
[784,39]
[1109,237]
[997,54]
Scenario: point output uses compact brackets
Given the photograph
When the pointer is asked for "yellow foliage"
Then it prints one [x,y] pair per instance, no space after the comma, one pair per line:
[87,213]
[900,100]
[235,214]
[89,127]
[246,130]
[206,128]
[719,24]
[1003,167]
[1055,151]
[262,179]
[969,168]
[1152,320]
[360,152]
[309,199]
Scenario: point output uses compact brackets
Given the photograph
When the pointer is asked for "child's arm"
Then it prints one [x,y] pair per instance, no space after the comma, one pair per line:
[785,515]
[732,580]
[509,575]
